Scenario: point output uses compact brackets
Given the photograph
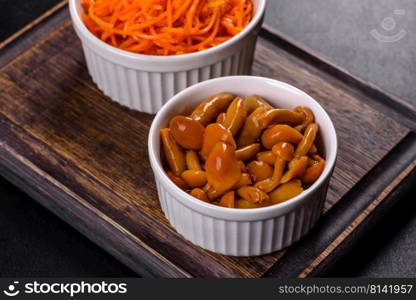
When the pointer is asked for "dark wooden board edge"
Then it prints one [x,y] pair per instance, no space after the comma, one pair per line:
[73,209]
[32,24]
[402,186]
[369,92]
[362,206]
[378,98]
[33,33]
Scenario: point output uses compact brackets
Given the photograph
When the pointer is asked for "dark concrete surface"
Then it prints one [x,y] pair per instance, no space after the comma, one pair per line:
[389,250]
[36,243]
[375,39]
[14,14]
[33,242]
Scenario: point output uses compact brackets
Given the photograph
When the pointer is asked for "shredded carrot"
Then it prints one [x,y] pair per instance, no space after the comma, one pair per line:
[166,27]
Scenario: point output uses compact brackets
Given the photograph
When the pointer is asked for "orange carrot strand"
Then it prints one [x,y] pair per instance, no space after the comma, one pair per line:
[166,27]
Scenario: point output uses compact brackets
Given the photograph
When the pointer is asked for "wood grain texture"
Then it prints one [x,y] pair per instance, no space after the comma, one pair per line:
[87,156]
[364,135]
[366,91]
[72,208]
[32,24]
[373,197]
[358,220]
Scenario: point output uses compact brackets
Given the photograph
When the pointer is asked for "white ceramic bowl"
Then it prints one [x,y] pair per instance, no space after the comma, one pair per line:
[242,232]
[146,82]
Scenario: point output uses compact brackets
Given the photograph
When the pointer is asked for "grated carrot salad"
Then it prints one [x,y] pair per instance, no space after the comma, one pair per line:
[166,27]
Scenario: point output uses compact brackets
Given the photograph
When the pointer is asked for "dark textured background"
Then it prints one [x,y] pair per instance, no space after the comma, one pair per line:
[33,242]
[340,30]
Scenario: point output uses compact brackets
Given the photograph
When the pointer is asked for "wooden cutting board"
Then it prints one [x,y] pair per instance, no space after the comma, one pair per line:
[84,157]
